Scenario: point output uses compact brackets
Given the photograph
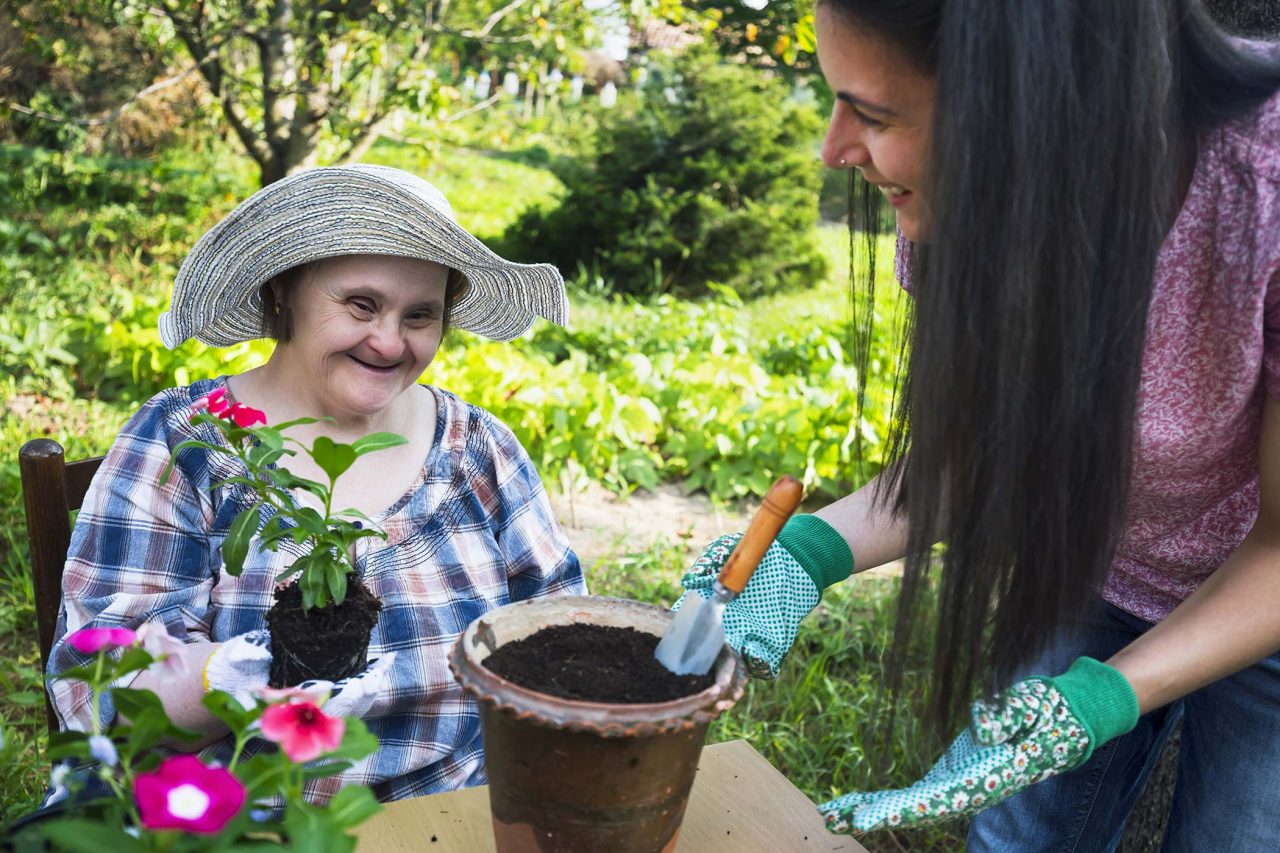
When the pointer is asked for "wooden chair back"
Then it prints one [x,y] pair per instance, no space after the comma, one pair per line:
[51,489]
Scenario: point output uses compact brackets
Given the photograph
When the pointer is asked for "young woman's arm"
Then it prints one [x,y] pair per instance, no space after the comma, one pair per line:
[869,528]
[1231,621]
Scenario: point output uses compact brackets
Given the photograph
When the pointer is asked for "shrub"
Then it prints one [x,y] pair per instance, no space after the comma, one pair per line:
[707,176]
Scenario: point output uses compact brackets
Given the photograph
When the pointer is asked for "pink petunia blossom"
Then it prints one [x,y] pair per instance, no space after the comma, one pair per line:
[244,416]
[183,793]
[89,641]
[302,729]
[216,401]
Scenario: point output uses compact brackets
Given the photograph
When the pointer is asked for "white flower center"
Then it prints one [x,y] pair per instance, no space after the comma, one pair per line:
[188,802]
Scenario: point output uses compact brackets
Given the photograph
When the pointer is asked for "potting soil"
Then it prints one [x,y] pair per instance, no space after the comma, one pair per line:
[593,663]
[324,642]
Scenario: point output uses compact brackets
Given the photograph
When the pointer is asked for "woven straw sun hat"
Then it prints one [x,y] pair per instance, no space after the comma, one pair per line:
[348,210]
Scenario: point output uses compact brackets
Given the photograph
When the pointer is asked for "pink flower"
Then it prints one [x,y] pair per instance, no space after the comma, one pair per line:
[182,793]
[155,638]
[302,729]
[88,641]
[244,416]
[215,402]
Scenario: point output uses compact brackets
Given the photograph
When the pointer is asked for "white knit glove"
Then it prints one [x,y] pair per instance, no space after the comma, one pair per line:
[242,665]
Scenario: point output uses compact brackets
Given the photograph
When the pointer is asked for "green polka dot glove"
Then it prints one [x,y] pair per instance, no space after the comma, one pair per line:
[761,623]
[1038,728]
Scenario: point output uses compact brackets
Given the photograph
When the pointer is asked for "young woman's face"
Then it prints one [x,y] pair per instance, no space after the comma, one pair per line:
[882,115]
[365,327]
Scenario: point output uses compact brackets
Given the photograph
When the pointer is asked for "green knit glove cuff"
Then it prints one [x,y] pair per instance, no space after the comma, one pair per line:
[1101,699]
[818,548]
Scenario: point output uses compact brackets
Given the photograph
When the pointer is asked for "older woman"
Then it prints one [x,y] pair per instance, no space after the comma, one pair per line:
[356,272]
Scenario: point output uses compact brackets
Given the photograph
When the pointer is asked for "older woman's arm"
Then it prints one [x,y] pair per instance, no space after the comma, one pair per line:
[540,562]
[1230,622]
[139,553]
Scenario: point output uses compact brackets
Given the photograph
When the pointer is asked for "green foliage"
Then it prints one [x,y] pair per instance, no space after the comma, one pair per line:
[115,820]
[778,35]
[704,178]
[330,536]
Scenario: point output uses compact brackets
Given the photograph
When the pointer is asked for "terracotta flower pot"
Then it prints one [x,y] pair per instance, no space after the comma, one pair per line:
[571,776]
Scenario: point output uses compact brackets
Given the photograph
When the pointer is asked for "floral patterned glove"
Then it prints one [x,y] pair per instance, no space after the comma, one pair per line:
[761,623]
[1038,728]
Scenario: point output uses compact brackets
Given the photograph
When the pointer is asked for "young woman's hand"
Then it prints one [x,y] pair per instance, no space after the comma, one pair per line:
[1037,728]
[761,623]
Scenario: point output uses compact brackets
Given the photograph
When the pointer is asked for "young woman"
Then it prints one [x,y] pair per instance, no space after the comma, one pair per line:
[1088,206]
[356,272]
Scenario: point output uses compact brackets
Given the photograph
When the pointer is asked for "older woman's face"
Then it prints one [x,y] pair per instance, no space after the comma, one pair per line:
[881,120]
[365,327]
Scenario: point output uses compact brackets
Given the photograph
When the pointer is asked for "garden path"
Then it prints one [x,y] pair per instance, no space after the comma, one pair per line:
[600,523]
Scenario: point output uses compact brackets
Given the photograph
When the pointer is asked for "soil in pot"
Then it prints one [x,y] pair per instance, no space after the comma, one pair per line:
[593,663]
[324,642]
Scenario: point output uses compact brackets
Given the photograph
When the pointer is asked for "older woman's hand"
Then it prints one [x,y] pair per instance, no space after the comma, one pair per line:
[241,666]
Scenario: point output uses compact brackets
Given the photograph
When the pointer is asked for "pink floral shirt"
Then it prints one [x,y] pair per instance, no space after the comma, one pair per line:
[1212,353]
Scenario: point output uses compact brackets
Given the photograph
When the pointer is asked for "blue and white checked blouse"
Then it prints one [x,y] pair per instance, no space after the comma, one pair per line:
[474,532]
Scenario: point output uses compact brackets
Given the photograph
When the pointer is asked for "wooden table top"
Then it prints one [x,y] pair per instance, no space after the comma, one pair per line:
[739,804]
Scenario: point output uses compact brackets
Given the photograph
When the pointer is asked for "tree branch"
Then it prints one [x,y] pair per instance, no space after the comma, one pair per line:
[109,116]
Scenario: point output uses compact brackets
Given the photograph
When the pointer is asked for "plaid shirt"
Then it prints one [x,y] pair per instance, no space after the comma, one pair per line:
[473,533]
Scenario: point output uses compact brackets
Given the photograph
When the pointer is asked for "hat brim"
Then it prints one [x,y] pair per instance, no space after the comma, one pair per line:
[336,211]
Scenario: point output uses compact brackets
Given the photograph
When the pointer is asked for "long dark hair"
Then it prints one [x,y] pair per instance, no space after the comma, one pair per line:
[1060,130]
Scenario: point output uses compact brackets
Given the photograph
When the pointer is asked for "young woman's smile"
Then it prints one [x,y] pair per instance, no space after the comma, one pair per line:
[881,121]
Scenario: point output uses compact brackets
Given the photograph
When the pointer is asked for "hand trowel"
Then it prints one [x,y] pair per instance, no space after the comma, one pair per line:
[696,635]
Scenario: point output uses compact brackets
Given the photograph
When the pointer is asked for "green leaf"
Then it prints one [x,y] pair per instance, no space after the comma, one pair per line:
[310,829]
[235,548]
[312,586]
[68,747]
[322,767]
[357,742]
[377,441]
[228,709]
[285,479]
[91,837]
[132,659]
[148,722]
[263,774]
[310,520]
[336,580]
[353,805]
[298,422]
[333,458]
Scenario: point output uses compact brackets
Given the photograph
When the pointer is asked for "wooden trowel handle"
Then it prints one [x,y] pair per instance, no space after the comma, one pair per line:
[782,500]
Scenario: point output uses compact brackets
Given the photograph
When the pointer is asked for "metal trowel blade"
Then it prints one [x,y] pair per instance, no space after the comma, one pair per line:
[694,638]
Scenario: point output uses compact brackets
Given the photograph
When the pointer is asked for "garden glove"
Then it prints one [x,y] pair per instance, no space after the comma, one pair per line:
[761,623]
[242,666]
[1037,728]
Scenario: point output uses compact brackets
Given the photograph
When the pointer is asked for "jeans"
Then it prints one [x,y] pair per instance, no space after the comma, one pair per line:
[1227,798]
